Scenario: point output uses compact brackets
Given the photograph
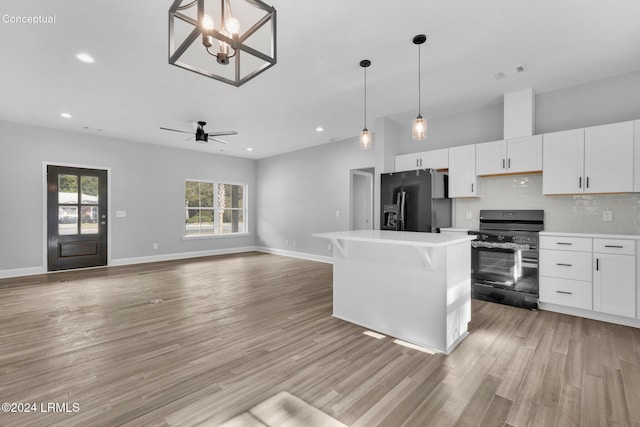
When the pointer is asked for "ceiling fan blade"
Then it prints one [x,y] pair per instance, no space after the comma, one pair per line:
[218,140]
[223,133]
[175,130]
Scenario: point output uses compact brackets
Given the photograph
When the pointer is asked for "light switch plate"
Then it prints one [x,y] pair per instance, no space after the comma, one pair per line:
[607,216]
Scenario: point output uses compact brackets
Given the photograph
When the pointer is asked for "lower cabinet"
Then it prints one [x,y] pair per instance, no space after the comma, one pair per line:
[614,285]
[597,274]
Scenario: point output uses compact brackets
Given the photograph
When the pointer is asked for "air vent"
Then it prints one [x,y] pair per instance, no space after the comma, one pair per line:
[510,72]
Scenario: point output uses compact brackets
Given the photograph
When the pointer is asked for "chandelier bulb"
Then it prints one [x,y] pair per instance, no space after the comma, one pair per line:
[232,25]
[207,23]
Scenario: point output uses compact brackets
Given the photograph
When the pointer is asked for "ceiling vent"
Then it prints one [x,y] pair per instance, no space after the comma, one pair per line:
[510,72]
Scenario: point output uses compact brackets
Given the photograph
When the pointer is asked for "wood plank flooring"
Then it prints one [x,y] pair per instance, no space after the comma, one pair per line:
[201,341]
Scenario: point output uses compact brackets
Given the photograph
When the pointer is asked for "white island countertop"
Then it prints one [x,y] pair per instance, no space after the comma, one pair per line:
[409,238]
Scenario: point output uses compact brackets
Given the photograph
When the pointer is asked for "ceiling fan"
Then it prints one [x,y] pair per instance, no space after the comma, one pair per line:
[203,137]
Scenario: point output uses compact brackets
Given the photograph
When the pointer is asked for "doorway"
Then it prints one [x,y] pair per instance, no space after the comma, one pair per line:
[361,199]
[76,217]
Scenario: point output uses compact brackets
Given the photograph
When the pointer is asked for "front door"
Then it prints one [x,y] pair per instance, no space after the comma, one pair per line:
[76,217]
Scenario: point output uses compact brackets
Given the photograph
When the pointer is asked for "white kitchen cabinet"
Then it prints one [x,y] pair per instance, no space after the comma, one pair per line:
[524,154]
[406,162]
[584,160]
[563,162]
[614,277]
[515,155]
[608,158]
[462,171]
[434,159]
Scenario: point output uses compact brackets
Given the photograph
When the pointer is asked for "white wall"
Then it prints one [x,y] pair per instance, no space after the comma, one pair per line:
[147,181]
[300,192]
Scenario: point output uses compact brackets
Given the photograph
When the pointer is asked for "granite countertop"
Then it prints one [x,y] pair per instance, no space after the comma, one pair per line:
[590,235]
[409,238]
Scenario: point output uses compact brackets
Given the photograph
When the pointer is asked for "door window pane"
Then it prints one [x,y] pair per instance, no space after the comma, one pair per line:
[89,224]
[67,189]
[67,220]
[89,186]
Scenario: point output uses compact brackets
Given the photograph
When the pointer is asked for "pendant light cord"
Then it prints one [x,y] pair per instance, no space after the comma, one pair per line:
[419,87]
[365,97]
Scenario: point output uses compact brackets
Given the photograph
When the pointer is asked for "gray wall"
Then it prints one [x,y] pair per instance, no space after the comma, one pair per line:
[299,193]
[147,181]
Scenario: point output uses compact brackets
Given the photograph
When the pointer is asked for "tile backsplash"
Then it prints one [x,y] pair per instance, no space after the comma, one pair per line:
[571,213]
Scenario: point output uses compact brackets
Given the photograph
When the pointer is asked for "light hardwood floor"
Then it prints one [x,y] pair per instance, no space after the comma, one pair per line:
[201,341]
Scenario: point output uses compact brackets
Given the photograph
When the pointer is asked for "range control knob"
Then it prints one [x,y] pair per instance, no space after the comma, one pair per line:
[500,238]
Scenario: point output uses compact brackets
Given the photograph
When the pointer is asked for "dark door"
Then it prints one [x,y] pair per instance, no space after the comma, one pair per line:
[76,217]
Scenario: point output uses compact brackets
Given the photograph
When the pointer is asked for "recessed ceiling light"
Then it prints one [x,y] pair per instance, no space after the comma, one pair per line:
[65,115]
[249,149]
[85,57]
[319,129]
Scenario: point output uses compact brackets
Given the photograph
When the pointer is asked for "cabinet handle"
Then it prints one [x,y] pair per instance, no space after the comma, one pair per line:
[417,163]
[564,265]
[509,164]
[587,182]
[502,163]
[420,162]
[597,264]
[614,246]
[564,292]
[472,187]
[564,243]
[580,182]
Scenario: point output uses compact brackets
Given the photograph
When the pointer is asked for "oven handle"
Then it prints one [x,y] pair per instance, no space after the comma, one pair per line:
[494,245]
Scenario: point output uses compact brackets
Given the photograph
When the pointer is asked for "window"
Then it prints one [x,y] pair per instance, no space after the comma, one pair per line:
[214,208]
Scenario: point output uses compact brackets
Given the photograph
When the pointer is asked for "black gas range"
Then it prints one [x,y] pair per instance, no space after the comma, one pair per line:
[504,257]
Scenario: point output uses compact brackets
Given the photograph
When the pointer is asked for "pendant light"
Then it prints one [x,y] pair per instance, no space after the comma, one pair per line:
[420,123]
[365,136]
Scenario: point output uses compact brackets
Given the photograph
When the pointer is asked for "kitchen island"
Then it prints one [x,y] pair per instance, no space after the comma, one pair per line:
[412,286]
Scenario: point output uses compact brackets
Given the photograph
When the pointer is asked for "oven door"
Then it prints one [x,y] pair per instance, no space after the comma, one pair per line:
[499,267]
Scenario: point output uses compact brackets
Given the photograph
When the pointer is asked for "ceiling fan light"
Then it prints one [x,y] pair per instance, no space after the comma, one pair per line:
[365,139]
[419,128]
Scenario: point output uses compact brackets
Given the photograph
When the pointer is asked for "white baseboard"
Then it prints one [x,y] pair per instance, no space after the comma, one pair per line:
[30,271]
[19,272]
[181,255]
[301,255]
[604,317]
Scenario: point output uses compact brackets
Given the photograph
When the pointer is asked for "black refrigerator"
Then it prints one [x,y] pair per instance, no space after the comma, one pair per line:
[414,201]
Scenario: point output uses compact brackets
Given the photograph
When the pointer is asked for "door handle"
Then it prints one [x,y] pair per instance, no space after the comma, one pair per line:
[103,222]
[564,292]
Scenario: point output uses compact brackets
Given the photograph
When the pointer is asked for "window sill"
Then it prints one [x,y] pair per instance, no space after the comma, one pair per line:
[214,236]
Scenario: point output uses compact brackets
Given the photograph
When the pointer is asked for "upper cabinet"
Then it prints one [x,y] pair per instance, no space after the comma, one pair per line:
[434,159]
[515,155]
[462,171]
[636,160]
[593,160]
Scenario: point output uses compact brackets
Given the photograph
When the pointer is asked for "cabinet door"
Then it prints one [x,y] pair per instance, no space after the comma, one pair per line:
[435,159]
[491,158]
[563,162]
[608,158]
[524,154]
[406,162]
[462,171]
[614,284]
[636,158]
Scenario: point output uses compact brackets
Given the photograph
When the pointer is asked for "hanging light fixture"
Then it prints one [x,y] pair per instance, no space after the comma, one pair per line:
[198,19]
[419,123]
[365,136]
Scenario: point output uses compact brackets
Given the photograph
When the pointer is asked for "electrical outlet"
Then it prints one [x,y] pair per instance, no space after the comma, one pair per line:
[337,214]
[607,216]
[468,215]
[155,246]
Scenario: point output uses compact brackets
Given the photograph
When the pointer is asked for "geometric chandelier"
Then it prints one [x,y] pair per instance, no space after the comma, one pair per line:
[210,38]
